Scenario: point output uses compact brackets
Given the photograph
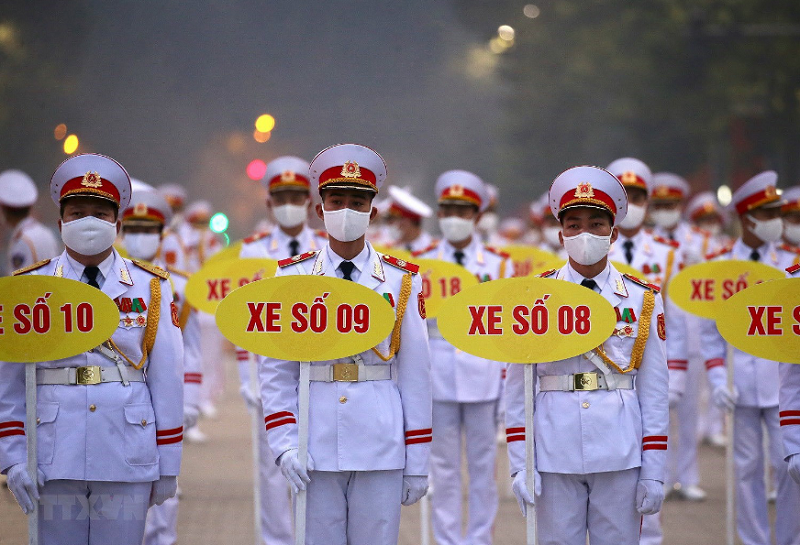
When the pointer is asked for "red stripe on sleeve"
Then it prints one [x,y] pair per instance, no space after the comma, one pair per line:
[170,440]
[173,431]
[281,414]
[426,431]
[12,424]
[11,432]
[281,422]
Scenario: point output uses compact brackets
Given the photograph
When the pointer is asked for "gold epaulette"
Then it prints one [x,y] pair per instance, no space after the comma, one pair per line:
[426,250]
[641,282]
[294,260]
[495,251]
[674,243]
[152,269]
[788,248]
[256,236]
[721,251]
[547,274]
[401,264]
[29,268]
[173,270]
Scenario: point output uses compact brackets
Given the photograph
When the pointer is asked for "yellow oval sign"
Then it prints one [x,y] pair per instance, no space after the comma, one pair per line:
[702,288]
[529,261]
[527,320]
[211,284]
[231,252]
[764,320]
[440,281]
[624,268]
[305,318]
[45,318]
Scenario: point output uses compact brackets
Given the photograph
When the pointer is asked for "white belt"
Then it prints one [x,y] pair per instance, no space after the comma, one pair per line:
[349,372]
[91,374]
[585,382]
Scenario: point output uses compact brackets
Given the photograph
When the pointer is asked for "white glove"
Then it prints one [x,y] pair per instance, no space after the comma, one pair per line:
[24,489]
[520,489]
[190,416]
[649,496]
[251,398]
[794,467]
[414,487]
[724,398]
[674,398]
[293,471]
[163,489]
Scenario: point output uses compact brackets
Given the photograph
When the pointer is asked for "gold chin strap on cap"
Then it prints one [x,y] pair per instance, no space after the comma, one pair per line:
[641,339]
[394,345]
[153,315]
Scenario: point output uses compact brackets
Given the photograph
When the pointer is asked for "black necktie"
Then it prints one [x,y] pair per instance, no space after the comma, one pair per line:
[754,255]
[628,245]
[346,267]
[294,247]
[589,283]
[459,255]
[671,235]
[91,273]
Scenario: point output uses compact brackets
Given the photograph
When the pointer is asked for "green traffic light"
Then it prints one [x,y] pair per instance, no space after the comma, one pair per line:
[218,223]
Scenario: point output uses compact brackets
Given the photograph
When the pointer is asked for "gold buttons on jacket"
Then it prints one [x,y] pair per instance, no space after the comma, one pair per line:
[144,422]
[343,399]
[38,420]
[585,405]
[92,407]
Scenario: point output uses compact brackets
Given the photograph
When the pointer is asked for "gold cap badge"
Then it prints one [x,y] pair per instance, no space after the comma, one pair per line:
[288,176]
[91,179]
[584,191]
[351,170]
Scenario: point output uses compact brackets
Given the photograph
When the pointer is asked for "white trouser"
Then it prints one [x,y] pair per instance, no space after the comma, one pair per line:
[682,458]
[477,421]
[354,507]
[211,343]
[752,520]
[601,503]
[92,512]
[276,504]
[162,523]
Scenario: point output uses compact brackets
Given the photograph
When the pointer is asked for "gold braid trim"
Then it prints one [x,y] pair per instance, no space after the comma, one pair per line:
[503,269]
[183,317]
[405,293]
[153,315]
[668,272]
[641,339]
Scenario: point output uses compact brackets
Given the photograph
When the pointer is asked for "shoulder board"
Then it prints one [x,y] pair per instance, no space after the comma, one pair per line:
[152,269]
[495,251]
[256,236]
[674,243]
[547,274]
[719,252]
[178,272]
[400,264]
[296,259]
[321,233]
[793,269]
[788,248]
[29,268]
[642,282]
[426,250]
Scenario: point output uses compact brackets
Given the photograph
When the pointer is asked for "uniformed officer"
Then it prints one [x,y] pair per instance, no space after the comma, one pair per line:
[466,388]
[789,404]
[404,220]
[601,419]
[758,206]
[30,240]
[789,248]
[368,440]
[287,183]
[110,420]
[173,250]
[143,225]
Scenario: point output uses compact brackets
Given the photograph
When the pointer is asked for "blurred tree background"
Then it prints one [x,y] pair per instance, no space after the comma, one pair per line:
[705,88]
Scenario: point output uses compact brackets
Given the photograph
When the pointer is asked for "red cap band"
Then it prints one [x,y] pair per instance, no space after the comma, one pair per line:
[460,193]
[90,185]
[766,196]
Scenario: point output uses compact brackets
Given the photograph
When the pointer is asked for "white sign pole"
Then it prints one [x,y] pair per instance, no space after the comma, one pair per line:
[257,421]
[530,453]
[425,520]
[30,435]
[730,480]
[302,451]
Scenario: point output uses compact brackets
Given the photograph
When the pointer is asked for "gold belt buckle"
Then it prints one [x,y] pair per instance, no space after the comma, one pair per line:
[345,372]
[87,375]
[585,381]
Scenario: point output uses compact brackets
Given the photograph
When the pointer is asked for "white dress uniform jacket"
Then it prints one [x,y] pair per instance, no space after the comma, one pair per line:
[30,242]
[109,431]
[358,426]
[456,375]
[602,430]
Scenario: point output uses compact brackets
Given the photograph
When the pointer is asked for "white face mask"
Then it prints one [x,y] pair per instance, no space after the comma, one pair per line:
[666,219]
[89,235]
[586,248]
[713,229]
[767,230]
[634,217]
[142,245]
[791,232]
[550,235]
[346,225]
[290,215]
[456,229]
[488,223]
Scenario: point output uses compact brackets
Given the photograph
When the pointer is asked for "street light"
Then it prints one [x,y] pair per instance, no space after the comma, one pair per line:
[265,123]
[71,144]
